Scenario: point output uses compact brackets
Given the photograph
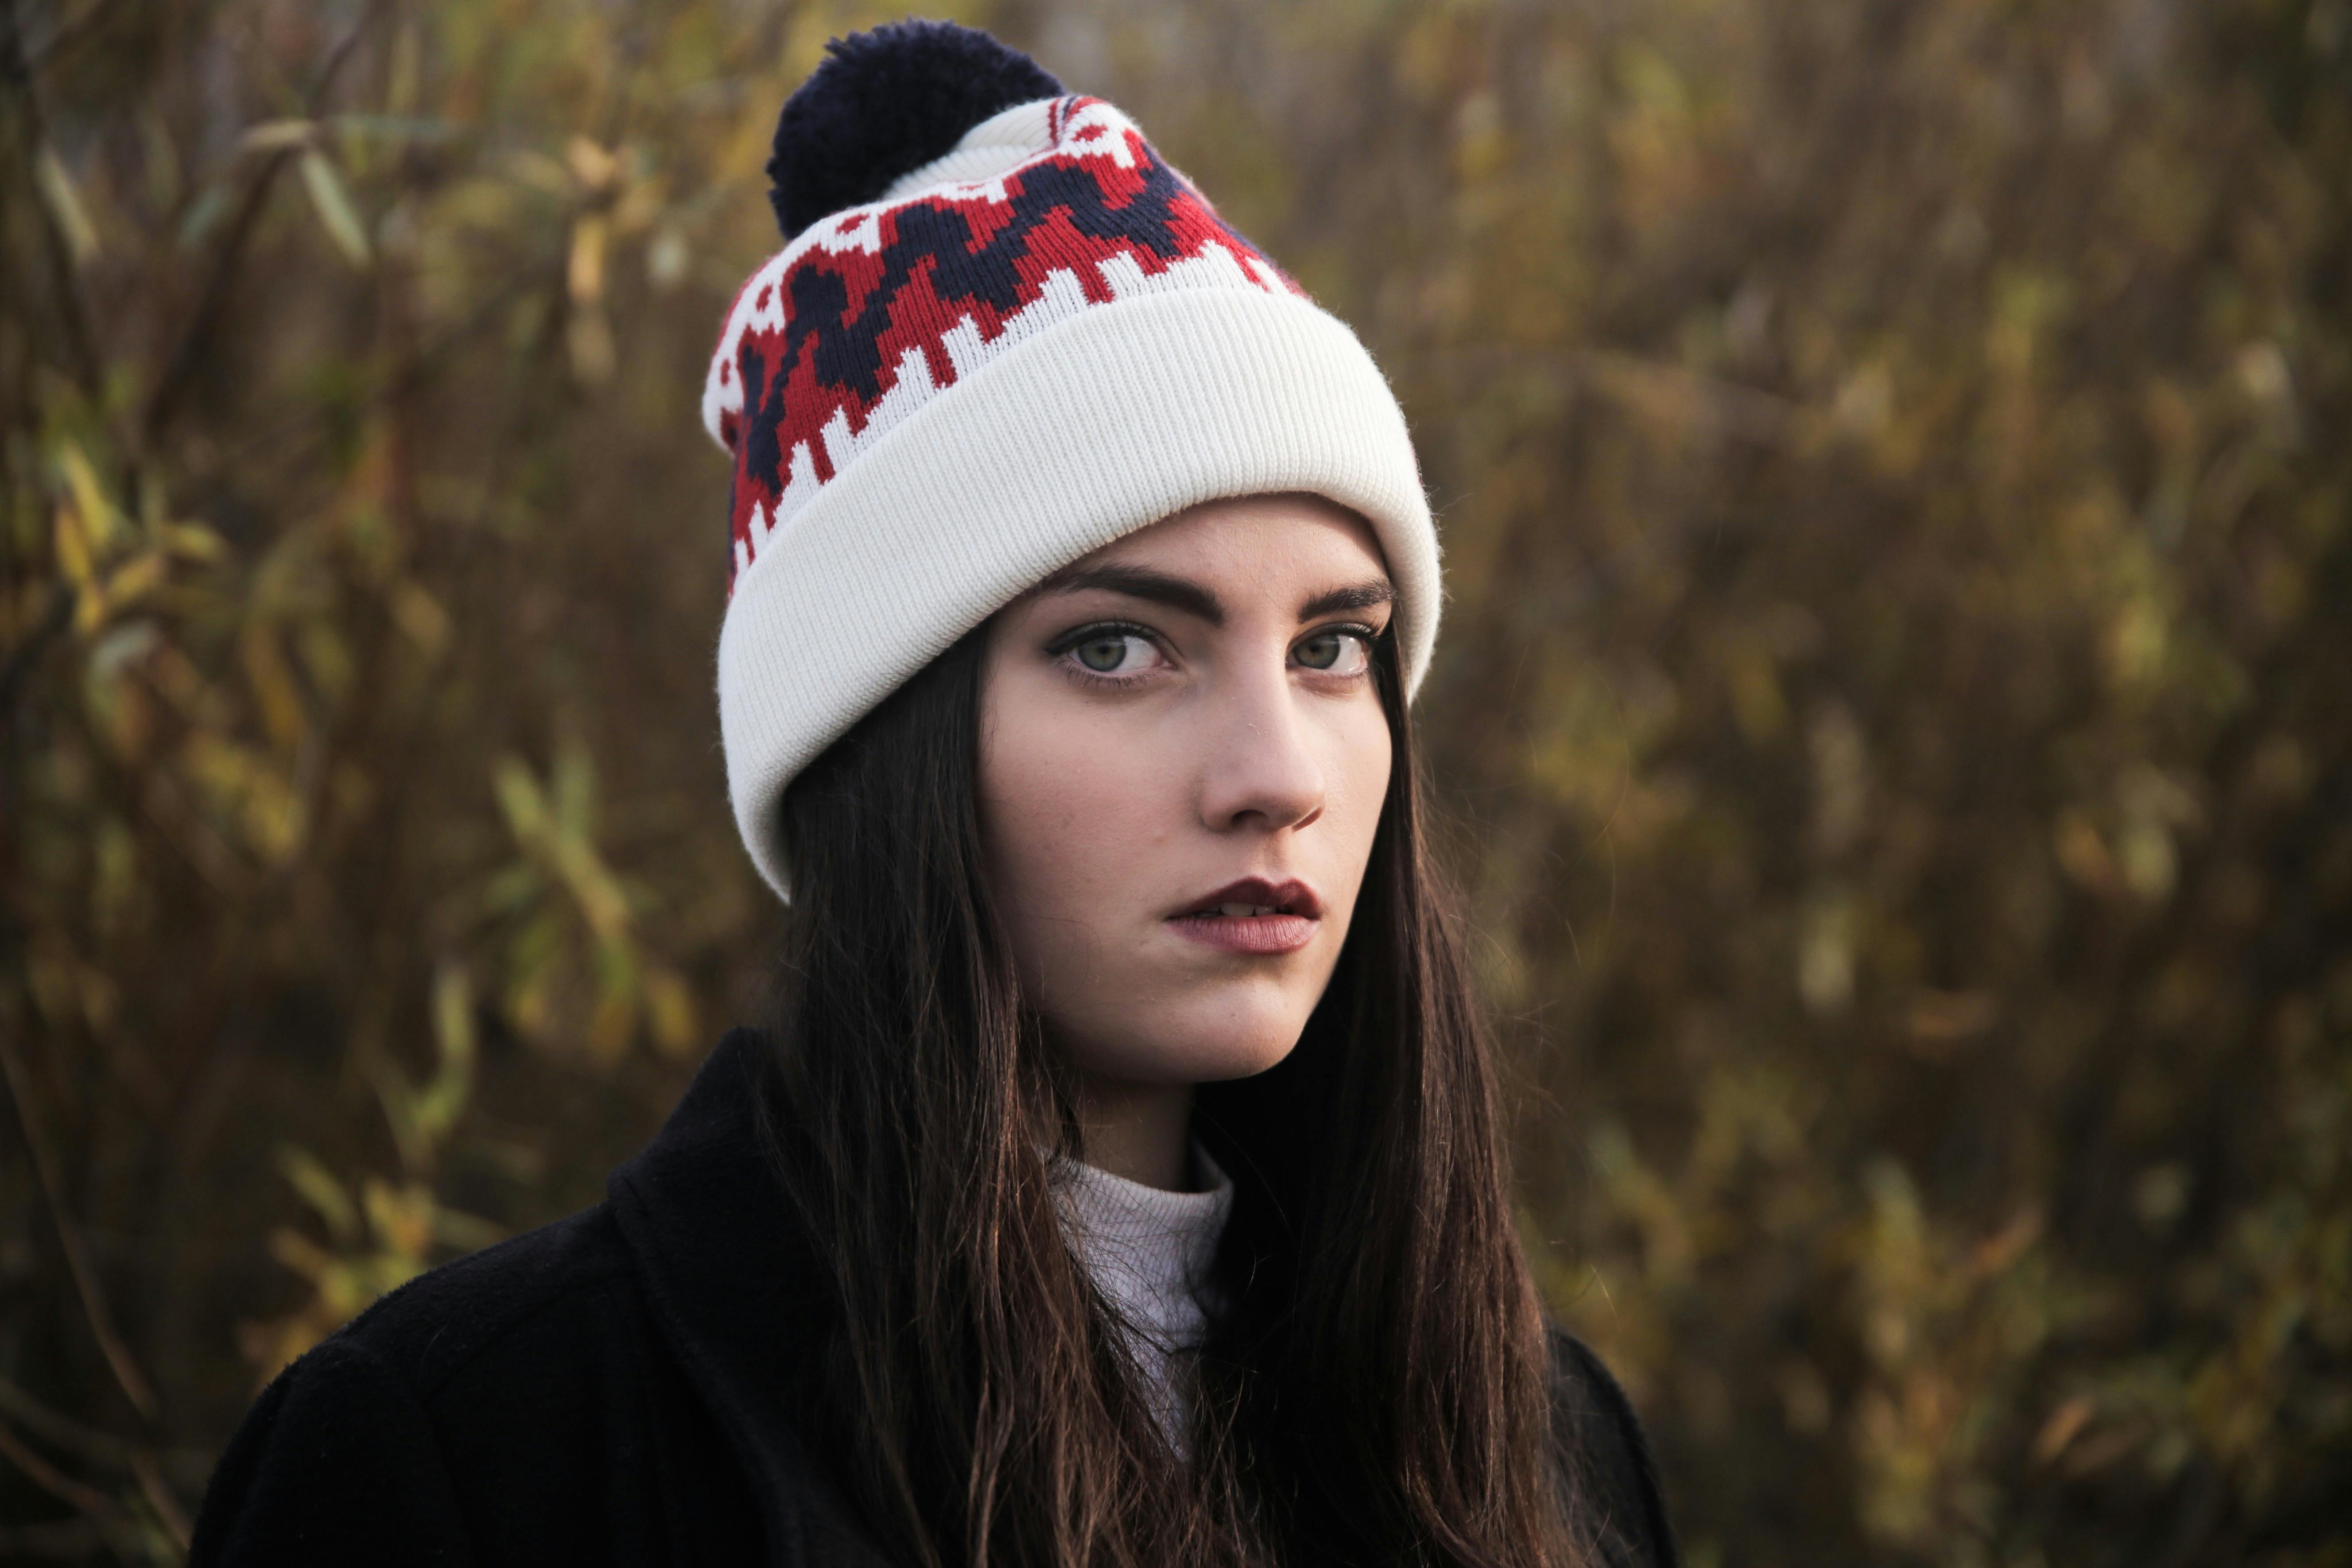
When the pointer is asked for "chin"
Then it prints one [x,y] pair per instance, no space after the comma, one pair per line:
[1204,1043]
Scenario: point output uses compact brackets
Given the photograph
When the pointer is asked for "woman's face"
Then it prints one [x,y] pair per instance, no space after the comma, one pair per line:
[1182,760]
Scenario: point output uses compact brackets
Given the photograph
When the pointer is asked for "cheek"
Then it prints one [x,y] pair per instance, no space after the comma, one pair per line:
[1362,756]
[1064,807]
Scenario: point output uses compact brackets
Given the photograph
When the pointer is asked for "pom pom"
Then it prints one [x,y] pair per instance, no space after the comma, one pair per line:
[885,101]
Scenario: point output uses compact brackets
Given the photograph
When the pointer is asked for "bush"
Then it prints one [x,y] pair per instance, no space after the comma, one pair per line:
[1899,533]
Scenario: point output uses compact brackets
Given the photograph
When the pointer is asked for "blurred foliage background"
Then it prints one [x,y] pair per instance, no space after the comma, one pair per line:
[1896,712]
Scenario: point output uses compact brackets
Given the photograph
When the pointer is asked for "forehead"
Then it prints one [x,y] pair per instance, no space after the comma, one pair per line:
[1278,541]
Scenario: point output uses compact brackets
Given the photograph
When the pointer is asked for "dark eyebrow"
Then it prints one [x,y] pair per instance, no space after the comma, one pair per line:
[1140,582]
[1357,597]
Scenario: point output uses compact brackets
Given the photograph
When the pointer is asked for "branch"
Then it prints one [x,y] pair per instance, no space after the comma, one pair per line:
[62,1430]
[65,280]
[86,1499]
[161,1498]
[75,1537]
[70,35]
[28,653]
[196,339]
[86,1281]
[99,1447]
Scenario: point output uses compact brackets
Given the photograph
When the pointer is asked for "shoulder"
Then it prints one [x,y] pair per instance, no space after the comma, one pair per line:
[363,1448]
[1615,1481]
[556,1283]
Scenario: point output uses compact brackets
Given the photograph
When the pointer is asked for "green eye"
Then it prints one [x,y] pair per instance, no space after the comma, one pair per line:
[1320,651]
[1104,655]
[1339,651]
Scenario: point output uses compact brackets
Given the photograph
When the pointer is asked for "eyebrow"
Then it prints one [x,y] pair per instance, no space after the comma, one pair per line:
[1368,595]
[1194,599]
[1141,582]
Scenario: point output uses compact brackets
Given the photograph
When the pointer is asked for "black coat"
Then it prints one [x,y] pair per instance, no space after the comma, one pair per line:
[619,1387]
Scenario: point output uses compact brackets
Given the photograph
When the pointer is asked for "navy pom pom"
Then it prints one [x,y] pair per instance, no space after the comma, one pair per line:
[885,101]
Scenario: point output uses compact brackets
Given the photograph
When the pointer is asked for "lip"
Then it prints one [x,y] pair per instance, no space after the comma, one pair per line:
[1294,914]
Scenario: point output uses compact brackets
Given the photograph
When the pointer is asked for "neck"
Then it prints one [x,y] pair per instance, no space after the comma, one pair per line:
[1138,1131]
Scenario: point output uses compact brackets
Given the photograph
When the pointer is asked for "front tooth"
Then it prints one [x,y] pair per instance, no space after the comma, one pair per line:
[1237,908]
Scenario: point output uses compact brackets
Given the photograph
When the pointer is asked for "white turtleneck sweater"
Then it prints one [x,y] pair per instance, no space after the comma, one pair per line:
[1150,1252]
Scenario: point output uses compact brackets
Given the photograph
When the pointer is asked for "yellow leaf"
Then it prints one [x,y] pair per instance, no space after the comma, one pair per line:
[540,172]
[193,540]
[273,819]
[602,902]
[2064,1422]
[220,767]
[591,166]
[137,577]
[401,1216]
[90,499]
[466,1232]
[611,1024]
[300,1254]
[669,1009]
[405,70]
[588,337]
[72,547]
[65,207]
[531,1001]
[639,206]
[279,135]
[272,679]
[585,273]
[421,617]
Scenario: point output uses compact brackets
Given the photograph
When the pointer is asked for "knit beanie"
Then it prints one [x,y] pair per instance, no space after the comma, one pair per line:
[1002,334]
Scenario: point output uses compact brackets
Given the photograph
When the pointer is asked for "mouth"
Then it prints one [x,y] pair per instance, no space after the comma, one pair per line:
[1253,916]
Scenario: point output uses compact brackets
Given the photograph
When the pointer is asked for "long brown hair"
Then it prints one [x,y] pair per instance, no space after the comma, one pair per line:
[1375,1392]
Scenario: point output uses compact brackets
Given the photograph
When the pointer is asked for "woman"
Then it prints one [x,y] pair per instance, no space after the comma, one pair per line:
[1120,1180]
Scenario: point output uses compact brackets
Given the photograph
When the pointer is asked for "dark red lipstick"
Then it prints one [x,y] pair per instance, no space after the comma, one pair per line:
[1253,916]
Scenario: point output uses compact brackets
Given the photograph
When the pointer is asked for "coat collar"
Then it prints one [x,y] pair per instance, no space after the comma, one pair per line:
[714,1240]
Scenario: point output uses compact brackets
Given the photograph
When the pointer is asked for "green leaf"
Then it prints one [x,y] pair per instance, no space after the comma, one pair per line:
[444,1098]
[334,200]
[320,1189]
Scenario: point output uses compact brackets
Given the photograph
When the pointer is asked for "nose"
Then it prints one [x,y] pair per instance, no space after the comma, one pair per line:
[1259,768]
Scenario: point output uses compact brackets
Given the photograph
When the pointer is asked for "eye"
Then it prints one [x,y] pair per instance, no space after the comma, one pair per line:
[1335,650]
[1110,651]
